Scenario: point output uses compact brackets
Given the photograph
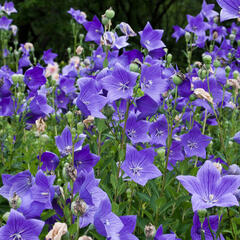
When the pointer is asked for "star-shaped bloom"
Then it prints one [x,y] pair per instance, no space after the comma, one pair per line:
[9,8]
[65,144]
[152,82]
[78,15]
[139,166]
[120,84]
[196,25]
[150,38]
[137,130]
[159,131]
[178,32]
[18,227]
[209,189]
[236,137]
[161,236]
[196,228]
[230,9]
[207,10]
[95,30]
[195,143]
[84,160]
[89,101]
[49,56]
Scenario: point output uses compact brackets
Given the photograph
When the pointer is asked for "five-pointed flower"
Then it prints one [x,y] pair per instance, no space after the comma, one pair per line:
[120,84]
[139,166]
[209,189]
[18,227]
[195,143]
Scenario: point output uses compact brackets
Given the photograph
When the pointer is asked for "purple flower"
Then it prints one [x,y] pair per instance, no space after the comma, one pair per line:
[159,131]
[196,228]
[120,84]
[106,222]
[6,106]
[207,10]
[139,166]
[178,32]
[8,7]
[18,227]
[209,189]
[84,160]
[95,30]
[19,184]
[67,84]
[65,144]
[50,161]
[160,236]
[34,78]
[127,30]
[236,137]
[79,16]
[137,130]
[195,143]
[152,82]
[48,56]
[89,101]
[150,38]
[196,25]
[5,22]
[230,9]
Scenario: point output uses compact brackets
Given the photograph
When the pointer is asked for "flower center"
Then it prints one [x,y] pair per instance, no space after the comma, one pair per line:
[192,145]
[158,133]
[131,133]
[210,199]
[68,149]
[147,83]
[16,236]
[136,170]
[147,42]
[107,222]
[123,86]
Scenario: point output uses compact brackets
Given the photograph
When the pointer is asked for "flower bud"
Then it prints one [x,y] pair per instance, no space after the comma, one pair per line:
[229,55]
[105,20]
[187,36]
[177,80]
[169,58]
[227,69]
[236,74]
[207,59]
[44,138]
[17,78]
[202,214]
[232,37]
[69,116]
[80,127]
[110,13]
[216,63]
[69,50]
[134,67]
[5,216]
[149,231]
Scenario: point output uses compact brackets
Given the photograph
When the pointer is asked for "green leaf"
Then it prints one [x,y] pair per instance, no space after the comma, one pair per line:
[47,214]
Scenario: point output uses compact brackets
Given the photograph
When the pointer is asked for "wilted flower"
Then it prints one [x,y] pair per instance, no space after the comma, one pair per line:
[85,238]
[202,94]
[127,30]
[79,50]
[149,231]
[59,229]
[40,125]
[88,121]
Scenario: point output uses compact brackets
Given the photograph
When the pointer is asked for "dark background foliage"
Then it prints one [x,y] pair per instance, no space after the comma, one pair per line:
[46,23]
